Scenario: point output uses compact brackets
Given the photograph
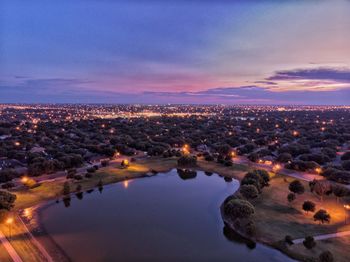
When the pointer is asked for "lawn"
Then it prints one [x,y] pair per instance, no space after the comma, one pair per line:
[110,174]
[338,246]
[275,217]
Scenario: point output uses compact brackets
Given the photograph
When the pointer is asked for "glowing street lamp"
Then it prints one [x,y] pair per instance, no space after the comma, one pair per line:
[347,208]
[9,222]
[186,149]
[24,180]
[318,170]
[276,167]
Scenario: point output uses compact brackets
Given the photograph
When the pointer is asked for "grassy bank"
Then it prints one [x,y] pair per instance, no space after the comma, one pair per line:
[110,174]
[51,190]
[275,217]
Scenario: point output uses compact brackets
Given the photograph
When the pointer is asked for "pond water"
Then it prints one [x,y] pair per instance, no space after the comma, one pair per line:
[161,218]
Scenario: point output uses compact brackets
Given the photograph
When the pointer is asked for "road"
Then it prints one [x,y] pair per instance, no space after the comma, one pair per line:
[292,173]
[12,252]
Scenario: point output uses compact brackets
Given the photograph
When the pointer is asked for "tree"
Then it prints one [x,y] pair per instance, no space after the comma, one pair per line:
[339,191]
[320,187]
[258,178]
[66,188]
[79,188]
[322,216]
[296,187]
[187,160]
[309,206]
[7,200]
[288,239]
[264,176]
[309,242]
[326,256]
[238,208]
[100,186]
[291,197]
[249,191]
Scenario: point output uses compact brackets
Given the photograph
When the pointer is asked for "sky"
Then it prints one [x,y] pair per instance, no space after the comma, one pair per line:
[168,51]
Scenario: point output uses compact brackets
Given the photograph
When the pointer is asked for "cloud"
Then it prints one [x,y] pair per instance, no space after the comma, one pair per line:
[321,73]
[257,95]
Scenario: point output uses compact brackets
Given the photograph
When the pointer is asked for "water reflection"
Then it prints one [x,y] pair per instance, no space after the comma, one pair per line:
[186,173]
[79,195]
[232,236]
[66,201]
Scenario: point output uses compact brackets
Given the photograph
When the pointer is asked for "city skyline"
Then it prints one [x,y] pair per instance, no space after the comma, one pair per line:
[196,52]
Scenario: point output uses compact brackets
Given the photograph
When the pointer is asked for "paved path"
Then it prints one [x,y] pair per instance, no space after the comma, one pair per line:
[12,252]
[326,236]
[292,173]
[36,242]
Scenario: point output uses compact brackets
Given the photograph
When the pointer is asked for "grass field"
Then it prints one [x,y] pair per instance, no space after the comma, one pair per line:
[338,246]
[110,174]
[275,217]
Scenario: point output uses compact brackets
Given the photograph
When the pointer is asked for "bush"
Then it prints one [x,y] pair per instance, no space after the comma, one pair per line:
[66,188]
[209,158]
[309,206]
[78,177]
[346,165]
[249,191]
[326,256]
[288,239]
[309,242]
[322,216]
[346,156]
[79,188]
[104,163]
[187,161]
[238,208]
[296,187]
[284,157]
[91,170]
[8,185]
[7,175]
[291,197]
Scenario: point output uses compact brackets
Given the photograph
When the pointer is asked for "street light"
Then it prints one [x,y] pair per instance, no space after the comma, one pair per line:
[347,208]
[276,167]
[24,179]
[9,222]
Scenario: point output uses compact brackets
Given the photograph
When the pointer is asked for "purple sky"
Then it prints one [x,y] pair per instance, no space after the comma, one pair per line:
[245,52]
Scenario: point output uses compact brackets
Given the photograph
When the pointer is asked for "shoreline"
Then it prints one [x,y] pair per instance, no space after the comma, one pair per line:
[40,233]
[56,251]
[37,230]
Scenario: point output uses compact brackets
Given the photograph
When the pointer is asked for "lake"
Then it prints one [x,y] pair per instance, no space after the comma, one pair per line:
[159,218]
